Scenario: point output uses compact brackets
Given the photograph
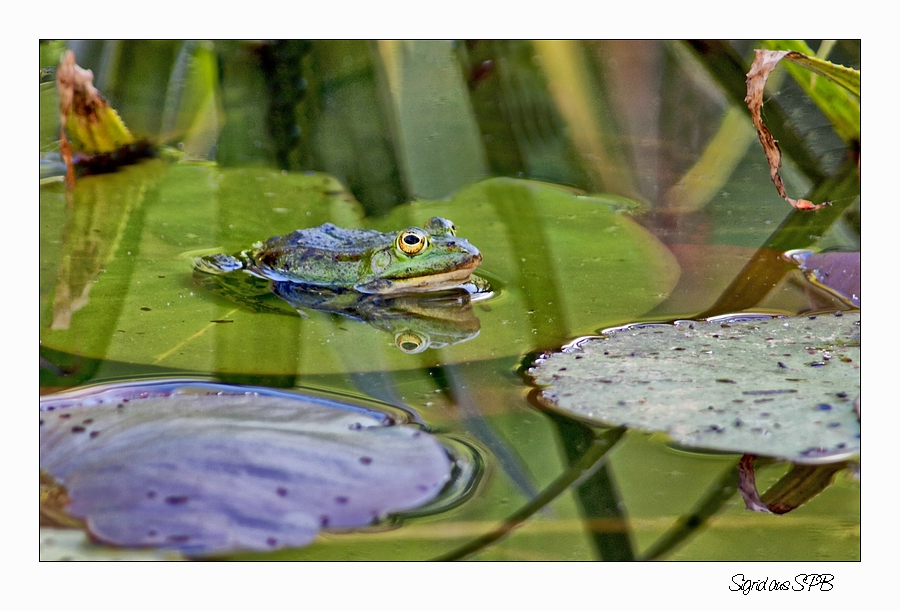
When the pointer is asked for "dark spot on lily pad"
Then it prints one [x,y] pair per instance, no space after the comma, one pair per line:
[178,538]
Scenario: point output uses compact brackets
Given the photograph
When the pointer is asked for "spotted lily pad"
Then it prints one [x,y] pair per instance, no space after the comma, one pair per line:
[209,469]
[781,387]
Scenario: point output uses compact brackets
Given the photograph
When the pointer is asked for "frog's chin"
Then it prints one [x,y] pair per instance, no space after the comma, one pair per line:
[435,282]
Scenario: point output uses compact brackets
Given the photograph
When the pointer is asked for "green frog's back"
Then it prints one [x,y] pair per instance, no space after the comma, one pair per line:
[329,238]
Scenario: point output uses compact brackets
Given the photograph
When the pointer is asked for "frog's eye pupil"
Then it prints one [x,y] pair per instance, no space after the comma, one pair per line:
[412,241]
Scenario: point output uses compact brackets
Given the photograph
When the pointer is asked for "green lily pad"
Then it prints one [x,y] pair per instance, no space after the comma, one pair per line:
[781,387]
[561,265]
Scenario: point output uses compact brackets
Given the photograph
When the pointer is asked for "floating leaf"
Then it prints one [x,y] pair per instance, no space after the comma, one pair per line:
[562,265]
[781,387]
[838,271]
[209,469]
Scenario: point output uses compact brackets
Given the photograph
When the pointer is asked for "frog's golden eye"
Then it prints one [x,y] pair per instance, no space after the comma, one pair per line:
[412,241]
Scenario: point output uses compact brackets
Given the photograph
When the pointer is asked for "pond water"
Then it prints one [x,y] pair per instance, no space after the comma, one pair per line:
[605,184]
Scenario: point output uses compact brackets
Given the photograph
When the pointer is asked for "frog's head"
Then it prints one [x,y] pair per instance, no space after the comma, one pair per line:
[419,260]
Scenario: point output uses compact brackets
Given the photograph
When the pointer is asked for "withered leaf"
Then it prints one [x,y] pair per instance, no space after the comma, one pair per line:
[763,64]
[87,123]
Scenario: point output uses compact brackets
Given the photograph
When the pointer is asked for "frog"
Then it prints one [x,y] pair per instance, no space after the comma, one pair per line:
[412,260]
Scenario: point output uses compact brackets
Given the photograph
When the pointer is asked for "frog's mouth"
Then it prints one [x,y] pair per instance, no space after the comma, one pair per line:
[421,284]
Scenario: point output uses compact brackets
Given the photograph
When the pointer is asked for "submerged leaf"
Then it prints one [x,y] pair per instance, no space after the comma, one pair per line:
[209,469]
[780,387]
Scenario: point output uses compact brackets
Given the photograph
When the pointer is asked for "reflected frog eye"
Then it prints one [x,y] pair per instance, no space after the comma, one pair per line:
[412,241]
[411,342]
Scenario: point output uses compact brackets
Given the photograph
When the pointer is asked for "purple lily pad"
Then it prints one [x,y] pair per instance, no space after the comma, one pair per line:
[838,271]
[210,469]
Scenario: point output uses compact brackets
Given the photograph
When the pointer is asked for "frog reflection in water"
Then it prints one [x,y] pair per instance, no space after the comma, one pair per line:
[416,284]
[410,261]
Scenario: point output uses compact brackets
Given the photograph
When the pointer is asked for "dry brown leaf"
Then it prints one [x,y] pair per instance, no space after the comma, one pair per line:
[763,64]
[85,117]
